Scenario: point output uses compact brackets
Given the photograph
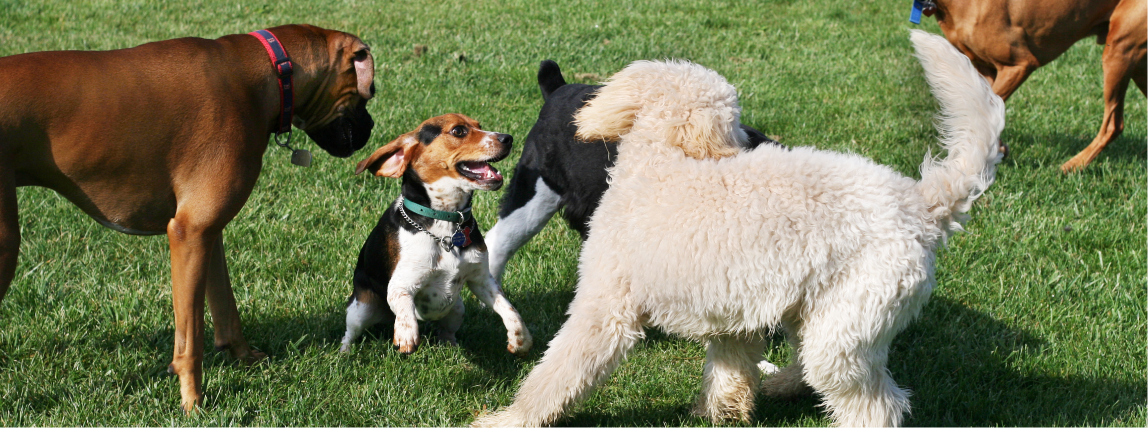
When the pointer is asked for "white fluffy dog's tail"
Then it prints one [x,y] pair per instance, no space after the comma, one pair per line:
[970,123]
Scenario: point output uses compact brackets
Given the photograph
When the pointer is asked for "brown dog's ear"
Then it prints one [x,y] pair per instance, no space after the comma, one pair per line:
[390,160]
[364,71]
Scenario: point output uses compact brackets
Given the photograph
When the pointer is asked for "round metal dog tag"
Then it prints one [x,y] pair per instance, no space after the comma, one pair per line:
[301,157]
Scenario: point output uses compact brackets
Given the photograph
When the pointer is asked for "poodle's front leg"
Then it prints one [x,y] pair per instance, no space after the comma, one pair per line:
[586,350]
[490,293]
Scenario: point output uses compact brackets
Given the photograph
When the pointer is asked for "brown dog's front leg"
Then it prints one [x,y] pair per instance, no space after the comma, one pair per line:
[9,227]
[1010,77]
[224,315]
[190,255]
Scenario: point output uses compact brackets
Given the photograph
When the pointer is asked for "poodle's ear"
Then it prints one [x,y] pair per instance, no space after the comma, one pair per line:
[610,114]
[709,133]
[390,160]
[685,105]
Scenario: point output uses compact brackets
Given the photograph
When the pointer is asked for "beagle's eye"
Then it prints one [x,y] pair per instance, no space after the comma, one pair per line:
[459,131]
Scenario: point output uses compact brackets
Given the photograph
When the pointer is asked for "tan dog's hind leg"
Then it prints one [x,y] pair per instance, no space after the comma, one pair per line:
[1124,59]
[9,226]
[731,378]
[191,251]
[224,315]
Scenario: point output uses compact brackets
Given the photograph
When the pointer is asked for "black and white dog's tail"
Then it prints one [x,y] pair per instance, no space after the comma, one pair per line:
[549,78]
[970,123]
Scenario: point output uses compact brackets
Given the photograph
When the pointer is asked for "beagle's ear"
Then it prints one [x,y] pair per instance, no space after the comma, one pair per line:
[390,160]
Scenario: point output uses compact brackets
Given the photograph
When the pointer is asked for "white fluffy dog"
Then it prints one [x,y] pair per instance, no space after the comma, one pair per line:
[698,241]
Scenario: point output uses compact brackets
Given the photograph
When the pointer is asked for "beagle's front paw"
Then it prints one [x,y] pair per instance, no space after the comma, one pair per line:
[406,337]
[519,342]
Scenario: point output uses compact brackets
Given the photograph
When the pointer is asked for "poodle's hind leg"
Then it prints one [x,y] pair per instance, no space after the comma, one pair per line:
[731,378]
[596,337]
[844,355]
[789,381]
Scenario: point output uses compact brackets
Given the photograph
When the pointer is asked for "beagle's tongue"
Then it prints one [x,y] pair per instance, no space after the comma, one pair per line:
[482,170]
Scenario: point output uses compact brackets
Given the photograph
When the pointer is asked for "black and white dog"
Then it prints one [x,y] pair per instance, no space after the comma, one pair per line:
[427,246]
[557,171]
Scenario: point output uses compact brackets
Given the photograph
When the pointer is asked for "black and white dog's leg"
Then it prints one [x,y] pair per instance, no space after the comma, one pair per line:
[360,316]
[528,205]
[449,325]
[490,294]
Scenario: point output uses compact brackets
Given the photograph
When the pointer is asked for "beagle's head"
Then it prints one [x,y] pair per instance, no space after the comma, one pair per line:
[450,147]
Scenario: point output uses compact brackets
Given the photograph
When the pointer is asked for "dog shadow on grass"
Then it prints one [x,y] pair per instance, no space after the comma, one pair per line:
[1051,150]
[962,366]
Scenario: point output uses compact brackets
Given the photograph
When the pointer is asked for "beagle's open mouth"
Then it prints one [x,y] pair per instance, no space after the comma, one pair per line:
[479,171]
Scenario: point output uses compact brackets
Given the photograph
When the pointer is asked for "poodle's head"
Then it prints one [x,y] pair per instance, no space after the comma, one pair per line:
[675,103]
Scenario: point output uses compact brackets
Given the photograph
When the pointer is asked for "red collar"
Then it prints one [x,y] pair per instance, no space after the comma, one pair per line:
[283,68]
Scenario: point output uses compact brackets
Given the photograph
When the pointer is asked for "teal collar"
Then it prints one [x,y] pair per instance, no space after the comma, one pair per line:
[451,216]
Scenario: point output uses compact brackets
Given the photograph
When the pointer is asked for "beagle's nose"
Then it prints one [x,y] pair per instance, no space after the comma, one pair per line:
[505,139]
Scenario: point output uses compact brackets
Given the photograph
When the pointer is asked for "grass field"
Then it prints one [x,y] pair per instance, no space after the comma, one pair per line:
[1038,317]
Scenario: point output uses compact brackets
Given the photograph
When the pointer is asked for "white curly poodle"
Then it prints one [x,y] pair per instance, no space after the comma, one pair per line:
[706,243]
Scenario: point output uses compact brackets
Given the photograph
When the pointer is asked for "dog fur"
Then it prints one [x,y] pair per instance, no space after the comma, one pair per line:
[1009,39]
[557,171]
[403,274]
[705,243]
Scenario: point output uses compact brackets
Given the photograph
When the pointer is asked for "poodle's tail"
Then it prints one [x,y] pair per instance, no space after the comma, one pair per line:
[970,123]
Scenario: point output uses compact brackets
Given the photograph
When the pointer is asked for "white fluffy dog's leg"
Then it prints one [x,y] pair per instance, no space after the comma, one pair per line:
[586,350]
[788,381]
[844,355]
[731,378]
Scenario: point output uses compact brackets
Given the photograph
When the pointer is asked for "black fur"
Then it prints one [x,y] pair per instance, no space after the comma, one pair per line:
[574,169]
[428,133]
[347,133]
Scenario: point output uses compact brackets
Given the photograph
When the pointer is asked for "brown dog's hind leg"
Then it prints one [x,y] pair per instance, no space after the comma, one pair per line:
[1119,61]
[9,227]
[224,315]
[191,247]
[1124,57]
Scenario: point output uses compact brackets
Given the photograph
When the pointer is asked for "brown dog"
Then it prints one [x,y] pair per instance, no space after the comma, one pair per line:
[1008,39]
[168,137]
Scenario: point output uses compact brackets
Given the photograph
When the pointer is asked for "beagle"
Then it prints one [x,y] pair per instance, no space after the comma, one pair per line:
[427,245]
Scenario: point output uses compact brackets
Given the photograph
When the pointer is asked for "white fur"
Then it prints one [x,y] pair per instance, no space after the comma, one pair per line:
[512,232]
[426,286]
[834,249]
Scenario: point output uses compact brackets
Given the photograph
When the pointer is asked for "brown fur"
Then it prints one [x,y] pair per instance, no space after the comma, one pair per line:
[1008,39]
[167,137]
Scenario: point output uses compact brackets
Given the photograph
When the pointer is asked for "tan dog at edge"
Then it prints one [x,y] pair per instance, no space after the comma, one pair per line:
[1008,39]
[168,137]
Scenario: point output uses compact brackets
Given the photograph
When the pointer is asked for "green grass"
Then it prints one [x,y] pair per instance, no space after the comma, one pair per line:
[1038,317]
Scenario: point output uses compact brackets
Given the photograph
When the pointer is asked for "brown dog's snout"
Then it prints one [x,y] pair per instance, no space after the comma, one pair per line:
[505,139]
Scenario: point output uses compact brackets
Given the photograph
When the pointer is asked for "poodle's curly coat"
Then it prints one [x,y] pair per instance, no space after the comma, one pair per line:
[703,242]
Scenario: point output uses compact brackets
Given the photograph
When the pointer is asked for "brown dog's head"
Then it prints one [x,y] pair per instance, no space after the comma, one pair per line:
[336,73]
[450,147]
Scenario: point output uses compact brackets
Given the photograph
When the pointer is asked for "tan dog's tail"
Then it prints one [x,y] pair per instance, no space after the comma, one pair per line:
[970,123]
